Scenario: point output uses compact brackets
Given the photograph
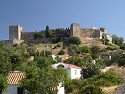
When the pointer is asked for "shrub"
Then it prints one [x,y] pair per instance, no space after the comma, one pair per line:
[91,89]
[75,40]
[122,62]
[104,79]
[89,70]
[58,45]
[31,51]
[71,85]
[61,52]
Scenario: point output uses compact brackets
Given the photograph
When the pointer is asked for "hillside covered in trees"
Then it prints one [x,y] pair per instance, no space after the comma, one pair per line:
[36,62]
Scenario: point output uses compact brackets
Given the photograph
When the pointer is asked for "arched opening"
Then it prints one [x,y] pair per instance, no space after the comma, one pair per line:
[60,66]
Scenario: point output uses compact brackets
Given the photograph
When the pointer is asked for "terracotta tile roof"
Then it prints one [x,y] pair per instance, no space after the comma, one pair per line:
[14,77]
[72,66]
[64,58]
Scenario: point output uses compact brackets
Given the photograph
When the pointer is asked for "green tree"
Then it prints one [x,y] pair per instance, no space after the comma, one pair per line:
[95,50]
[43,61]
[89,70]
[5,65]
[47,31]
[22,47]
[85,49]
[31,51]
[75,40]
[16,59]
[51,33]
[103,79]
[121,61]
[122,46]
[88,57]
[121,41]
[76,61]
[3,84]
[116,57]
[72,86]
[36,35]
[73,49]
[117,40]
[43,80]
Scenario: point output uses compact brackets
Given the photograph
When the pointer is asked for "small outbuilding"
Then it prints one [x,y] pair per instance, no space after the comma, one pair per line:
[13,80]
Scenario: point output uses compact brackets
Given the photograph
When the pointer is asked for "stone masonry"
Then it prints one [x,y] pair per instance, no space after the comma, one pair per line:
[16,32]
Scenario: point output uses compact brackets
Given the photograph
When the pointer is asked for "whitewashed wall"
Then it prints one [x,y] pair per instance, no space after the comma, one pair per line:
[60,89]
[12,89]
[75,73]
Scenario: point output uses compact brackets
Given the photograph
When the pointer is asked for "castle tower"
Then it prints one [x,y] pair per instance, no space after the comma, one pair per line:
[75,30]
[15,32]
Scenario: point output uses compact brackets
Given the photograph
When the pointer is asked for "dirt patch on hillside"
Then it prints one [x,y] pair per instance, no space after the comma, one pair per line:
[109,90]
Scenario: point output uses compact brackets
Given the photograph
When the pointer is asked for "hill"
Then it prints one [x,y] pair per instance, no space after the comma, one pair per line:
[54,48]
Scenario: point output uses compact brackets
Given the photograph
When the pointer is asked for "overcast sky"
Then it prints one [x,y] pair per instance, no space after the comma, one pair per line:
[34,15]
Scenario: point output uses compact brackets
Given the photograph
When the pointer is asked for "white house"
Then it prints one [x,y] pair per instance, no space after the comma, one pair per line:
[74,72]
[13,80]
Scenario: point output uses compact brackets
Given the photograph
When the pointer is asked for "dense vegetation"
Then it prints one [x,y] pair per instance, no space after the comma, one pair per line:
[93,84]
[41,75]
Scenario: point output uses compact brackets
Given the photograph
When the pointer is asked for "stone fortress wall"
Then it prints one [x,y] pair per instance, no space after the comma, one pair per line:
[16,34]
[11,42]
[92,32]
[26,36]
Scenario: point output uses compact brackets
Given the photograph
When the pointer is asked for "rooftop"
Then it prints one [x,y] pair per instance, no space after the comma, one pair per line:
[14,77]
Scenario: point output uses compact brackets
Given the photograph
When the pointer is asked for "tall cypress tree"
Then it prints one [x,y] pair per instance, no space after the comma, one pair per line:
[47,31]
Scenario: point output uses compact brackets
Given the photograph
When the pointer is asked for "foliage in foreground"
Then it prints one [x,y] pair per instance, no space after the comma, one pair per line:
[41,78]
[104,79]
[91,89]
[3,83]
[92,85]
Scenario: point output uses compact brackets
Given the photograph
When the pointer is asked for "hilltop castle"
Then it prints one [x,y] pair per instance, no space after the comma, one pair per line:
[16,34]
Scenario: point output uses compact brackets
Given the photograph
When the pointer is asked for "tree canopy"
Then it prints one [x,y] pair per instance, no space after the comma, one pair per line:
[42,78]
[117,40]
[74,40]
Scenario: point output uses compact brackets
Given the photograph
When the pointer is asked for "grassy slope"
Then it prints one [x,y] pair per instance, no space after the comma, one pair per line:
[49,47]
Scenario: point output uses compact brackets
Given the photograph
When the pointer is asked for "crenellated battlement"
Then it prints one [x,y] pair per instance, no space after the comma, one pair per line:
[16,32]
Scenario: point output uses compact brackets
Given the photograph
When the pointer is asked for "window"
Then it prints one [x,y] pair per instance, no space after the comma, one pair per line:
[75,72]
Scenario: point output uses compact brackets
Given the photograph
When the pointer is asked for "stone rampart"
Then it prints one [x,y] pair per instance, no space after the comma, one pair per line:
[6,42]
[11,42]
[26,36]
[75,30]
